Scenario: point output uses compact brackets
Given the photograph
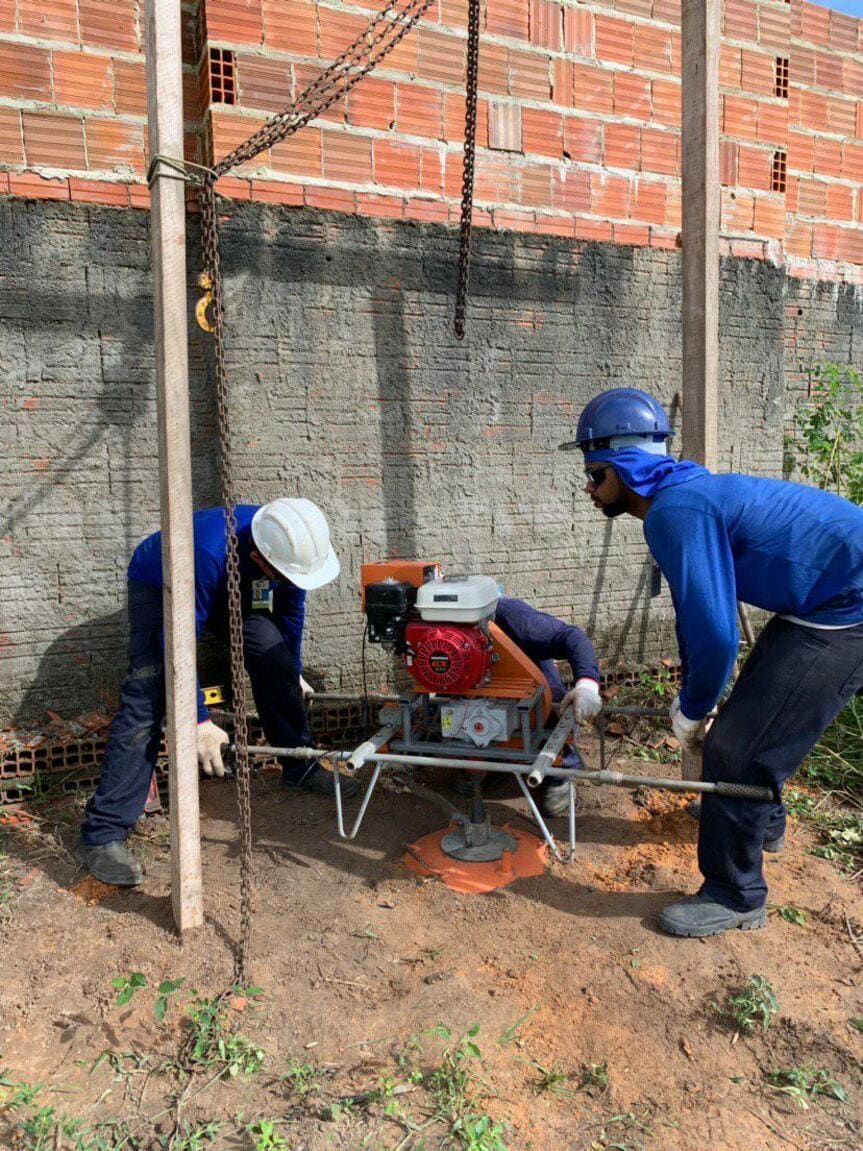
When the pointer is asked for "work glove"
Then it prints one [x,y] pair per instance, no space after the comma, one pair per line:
[211,740]
[690,732]
[584,699]
[306,689]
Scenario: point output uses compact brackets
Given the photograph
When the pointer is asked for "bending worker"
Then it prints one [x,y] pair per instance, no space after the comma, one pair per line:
[784,547]
[284,551]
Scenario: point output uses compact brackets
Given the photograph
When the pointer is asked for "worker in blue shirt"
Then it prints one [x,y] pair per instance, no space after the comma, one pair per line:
[545,639]
[284,550]
[787,548]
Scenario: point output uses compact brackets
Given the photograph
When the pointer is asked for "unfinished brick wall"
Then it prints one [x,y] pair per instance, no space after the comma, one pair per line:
[579,115]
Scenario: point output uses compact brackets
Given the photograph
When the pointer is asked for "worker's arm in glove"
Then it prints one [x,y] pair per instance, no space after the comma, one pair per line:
[690,732]
[306,689]
[584,699]
[211,740]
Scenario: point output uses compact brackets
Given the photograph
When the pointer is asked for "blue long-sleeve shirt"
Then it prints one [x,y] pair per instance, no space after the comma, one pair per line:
[783,547]
[545,639]
[211,578]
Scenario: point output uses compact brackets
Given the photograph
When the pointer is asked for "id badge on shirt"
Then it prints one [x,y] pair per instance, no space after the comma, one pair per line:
[262,595]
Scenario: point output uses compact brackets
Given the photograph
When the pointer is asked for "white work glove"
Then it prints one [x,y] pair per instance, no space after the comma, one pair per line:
[690,732]
[584,699]
[211,739]
[306,689]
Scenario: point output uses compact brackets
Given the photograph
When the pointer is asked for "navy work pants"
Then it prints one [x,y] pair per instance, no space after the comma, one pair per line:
[136,730]
[793,685]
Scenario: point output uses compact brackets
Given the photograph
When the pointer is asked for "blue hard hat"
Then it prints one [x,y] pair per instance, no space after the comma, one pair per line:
[620,412]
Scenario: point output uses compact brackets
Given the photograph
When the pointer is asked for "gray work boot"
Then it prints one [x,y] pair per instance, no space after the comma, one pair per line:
[774,846]
[111,863]
[318,781]
[700,915]
[554,798]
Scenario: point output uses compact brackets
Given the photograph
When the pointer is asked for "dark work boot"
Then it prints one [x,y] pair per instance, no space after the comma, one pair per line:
[700,915]
[111,863]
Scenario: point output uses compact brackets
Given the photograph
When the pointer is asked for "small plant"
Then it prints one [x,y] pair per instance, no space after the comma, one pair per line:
[197,1137]
[127,985]
[167,988]
[212,1042]
[304,1079]
[594,1077]
[805,1083]
[789,913]
[754,1003]
[265,1136]
[828,432]
[551,1079]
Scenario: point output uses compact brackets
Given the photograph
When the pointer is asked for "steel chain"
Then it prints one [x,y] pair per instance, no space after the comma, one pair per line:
[383,33]
[473,21]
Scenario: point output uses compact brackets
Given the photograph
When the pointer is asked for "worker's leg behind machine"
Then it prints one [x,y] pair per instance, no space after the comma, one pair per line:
[793,685]
[132,747]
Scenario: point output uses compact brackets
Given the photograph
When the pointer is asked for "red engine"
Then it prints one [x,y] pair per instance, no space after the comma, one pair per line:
[448,657]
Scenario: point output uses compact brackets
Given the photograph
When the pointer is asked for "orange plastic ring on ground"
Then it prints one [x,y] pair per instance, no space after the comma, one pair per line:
[427,858]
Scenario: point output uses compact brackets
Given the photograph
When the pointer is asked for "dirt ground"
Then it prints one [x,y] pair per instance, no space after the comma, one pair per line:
[355,956]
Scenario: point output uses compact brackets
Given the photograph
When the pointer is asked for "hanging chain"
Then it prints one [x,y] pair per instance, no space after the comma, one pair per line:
[473,20]
[383,33]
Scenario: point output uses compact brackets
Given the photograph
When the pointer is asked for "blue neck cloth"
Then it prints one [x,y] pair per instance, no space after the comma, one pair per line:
[646,474]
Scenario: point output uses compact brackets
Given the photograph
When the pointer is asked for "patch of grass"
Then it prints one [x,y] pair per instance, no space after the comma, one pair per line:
[551,1080]
[212,1042]
[510,1033]
[755,1003]
[839,829]
[303,1079]
[196,1137]
[594,1077]
[805,1083]
[265,1136]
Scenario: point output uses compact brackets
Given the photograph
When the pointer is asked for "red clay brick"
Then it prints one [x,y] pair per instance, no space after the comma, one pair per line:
[825,242]
[798,240]
[7,24]
[419,111]
[554,225]
[234,188]
[304,76]
[774,27]
[642,8]
[395,165]
[434,211]
[4,176]
[743,249]
[229,131]
[110,24]
[52,140]
[801,151]
[729,66]
[844,32]
[770,216]
[650,201]
[331,199]
[513,220]
[139,196]
[740,20]
[112,144]
[534,185]
[372,104]
[562,82]
[660,239]
[237,21]
[740,117]
[582,139]
[99,192]
[738,211]
[529,75]
[802,63]
[289,26]
[263,83]
[842,116]
[337,31]
[586,229]
[570,190]
[431,171]
[826,156]
[546,24]
[30,185]
[674,205]
[11,137]
[814,111]
[852,161]
[815,24]
[653,49]
[631,234]
[667,102]
[728,153]
[667,10]
[504,127]
[840,202]
[578,32]
[609,195]
[453,117]
[405,56]
[276,192]
[49,19]
[828,71]
[494,69]
[82,80]
[622,146]
[758,73]
[25,72]
[659,151]
[507,18]
[772,123]
[754,167]
[495,181]
[851,245]
[542,132]
[632,95]
[384,207]
[593,88]
[811,198]
[442,58]
[348,157]
[852,76]
[614,40]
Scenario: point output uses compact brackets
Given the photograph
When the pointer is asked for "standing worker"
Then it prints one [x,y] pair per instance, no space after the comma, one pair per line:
[784,547]
[284,550]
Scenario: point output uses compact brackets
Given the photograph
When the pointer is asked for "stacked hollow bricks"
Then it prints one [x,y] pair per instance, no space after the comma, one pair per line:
[579,116]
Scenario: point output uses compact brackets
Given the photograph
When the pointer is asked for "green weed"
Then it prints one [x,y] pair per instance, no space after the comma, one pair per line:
[304,1079]
[755,1003]
[167,988]
[806,1083]
[594,1077]
[127,985]
[551,1080]
[265,1136]
[212,1043]
[789,913]
[825,446]
[196,1137]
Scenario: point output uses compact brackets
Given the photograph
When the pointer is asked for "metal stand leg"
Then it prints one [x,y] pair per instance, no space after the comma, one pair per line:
[571,822]
[540,822]
[361,813]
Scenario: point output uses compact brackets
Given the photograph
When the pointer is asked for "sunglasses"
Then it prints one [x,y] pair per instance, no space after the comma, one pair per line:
[596,476]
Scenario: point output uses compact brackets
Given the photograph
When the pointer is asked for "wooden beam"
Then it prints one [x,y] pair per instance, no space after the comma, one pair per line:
[168,245]
[701,200]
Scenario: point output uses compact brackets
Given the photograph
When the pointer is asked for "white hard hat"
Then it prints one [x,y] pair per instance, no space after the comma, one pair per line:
[293,536]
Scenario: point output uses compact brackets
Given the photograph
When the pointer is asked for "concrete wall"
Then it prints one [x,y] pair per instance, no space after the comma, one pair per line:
[349,387]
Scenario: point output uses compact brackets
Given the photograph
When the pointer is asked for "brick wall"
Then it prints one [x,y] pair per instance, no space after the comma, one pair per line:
[579,115]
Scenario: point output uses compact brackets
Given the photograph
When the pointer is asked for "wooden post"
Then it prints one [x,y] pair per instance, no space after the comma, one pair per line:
[701,200]
[168,240]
